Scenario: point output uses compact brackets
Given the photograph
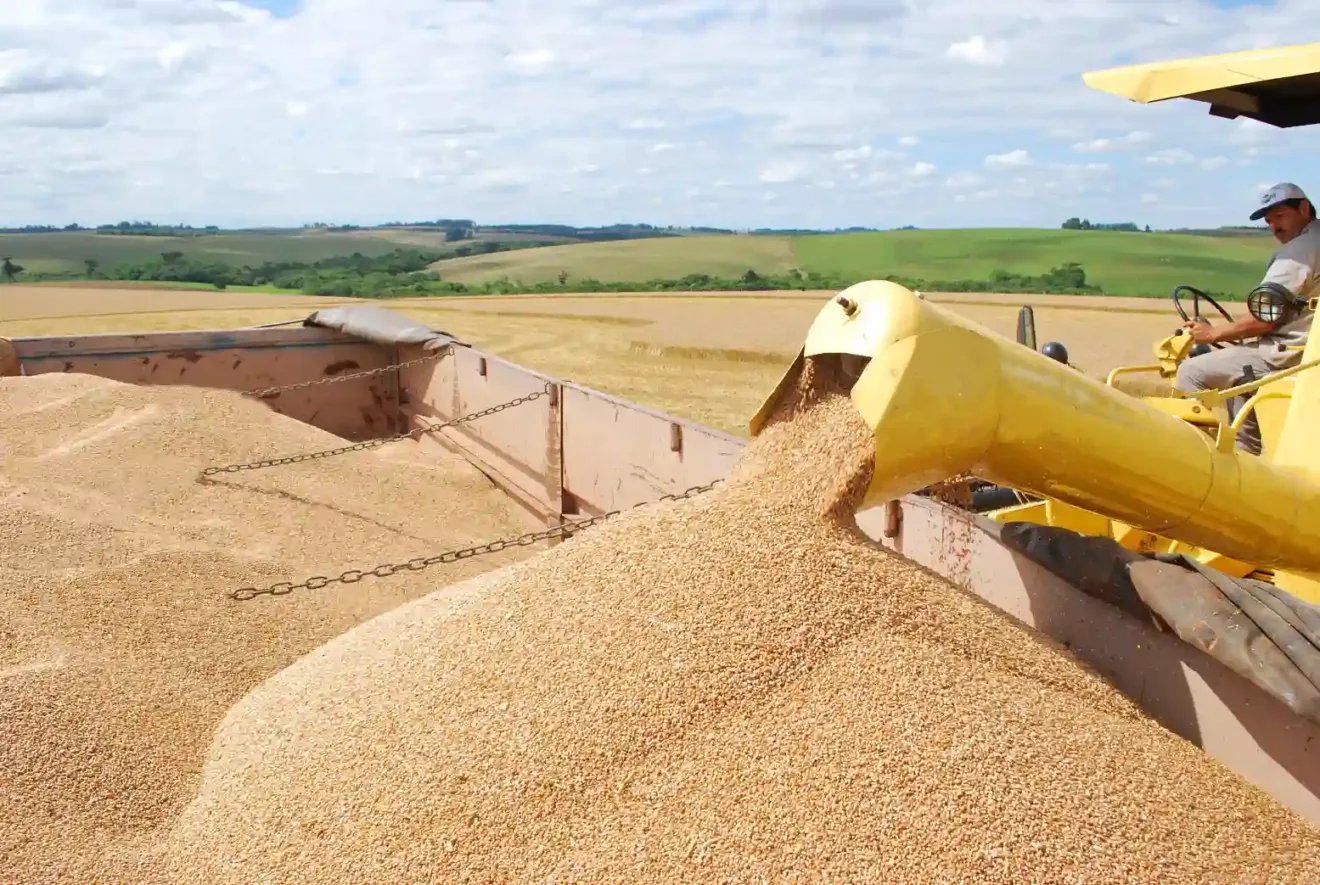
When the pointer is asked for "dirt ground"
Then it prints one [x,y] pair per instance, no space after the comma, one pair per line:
[707,356]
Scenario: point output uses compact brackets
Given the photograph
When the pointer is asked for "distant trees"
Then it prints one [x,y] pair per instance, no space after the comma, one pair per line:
[1076,223]
[9,270]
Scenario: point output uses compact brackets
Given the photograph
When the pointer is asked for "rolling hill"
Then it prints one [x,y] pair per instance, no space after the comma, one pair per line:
[1123,263]
[629,260]
[68,251]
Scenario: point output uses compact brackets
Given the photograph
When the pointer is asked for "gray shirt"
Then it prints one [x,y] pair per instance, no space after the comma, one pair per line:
[1296,267]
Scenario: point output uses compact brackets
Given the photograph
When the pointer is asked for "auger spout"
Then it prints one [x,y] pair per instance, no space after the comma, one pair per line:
[944,396]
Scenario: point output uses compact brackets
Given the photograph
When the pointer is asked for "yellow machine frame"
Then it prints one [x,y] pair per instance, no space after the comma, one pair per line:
[946,397]
[1275,86]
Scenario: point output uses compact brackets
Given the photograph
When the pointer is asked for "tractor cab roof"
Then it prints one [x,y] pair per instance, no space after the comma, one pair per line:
[1280,87]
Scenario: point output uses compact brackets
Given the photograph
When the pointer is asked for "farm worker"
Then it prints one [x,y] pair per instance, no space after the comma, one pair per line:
[1296,267]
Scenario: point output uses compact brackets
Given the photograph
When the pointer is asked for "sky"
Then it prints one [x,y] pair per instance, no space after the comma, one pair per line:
[731,113]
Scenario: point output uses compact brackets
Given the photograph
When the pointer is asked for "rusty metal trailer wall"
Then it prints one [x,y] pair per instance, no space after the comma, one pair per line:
[570,451]
[243,359]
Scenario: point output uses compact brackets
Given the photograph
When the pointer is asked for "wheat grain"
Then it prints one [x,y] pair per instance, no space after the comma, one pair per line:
[739,687]
[119,652]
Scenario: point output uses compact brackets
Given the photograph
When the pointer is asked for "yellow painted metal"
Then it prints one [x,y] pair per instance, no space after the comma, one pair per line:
[1084,522]
[1173,350]
[945,396]
[1298,449]
[1188,410]
[1191,77]
[1299,437]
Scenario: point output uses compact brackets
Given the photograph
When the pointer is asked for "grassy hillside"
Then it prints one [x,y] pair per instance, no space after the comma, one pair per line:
[67,251]
[1121,263]
[629,260]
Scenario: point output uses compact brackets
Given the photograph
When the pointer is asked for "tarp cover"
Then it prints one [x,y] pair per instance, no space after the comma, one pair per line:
[1250,626]
[379,325]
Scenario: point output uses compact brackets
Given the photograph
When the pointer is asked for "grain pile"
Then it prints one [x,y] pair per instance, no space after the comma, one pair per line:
[119,653]
[733,688]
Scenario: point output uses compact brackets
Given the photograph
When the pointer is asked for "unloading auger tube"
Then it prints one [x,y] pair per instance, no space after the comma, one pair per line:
[946,397]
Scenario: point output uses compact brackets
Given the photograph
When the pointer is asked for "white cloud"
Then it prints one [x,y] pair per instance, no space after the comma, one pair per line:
[211,111]
[1104,145]
[532,59]
[1170,157]
[781,173]
[851,155]
[978,51]
[1247,131]
[1010,160]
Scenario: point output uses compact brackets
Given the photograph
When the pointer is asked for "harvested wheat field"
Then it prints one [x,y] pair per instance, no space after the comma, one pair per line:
[704,356]
[739,687]
[119,651]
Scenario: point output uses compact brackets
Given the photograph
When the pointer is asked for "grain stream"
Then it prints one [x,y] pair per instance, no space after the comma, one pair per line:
[119,652]
[738,687]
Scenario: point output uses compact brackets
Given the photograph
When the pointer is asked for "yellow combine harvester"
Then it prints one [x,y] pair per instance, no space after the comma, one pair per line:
[1158,475]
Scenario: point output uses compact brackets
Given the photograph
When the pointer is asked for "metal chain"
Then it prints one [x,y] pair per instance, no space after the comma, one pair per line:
[373,443]
[336,379]
[417,563]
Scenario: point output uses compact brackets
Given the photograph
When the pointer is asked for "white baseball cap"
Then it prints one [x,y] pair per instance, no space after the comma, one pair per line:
[1276,195]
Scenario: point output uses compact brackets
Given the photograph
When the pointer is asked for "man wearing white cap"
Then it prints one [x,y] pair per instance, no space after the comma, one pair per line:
[1295,268]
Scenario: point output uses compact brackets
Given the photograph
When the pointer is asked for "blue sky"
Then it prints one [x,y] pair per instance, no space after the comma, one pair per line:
[741,113]
[288,8]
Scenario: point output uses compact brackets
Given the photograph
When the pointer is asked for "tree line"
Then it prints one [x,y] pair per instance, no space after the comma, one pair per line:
[1076,223]
[408,272]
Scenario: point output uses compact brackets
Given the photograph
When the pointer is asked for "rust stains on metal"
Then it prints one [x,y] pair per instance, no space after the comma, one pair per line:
[9,362]
[341,366]
[191,356]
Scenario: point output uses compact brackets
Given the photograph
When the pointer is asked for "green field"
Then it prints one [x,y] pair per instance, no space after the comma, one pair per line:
[629,260]
[1122,263]
[53,252]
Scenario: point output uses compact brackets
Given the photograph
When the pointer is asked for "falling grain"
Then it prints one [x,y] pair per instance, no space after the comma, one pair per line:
[739,687]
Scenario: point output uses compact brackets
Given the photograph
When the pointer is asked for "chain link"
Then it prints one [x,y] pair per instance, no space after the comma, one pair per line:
[418,563]
[336,379]
[373,443]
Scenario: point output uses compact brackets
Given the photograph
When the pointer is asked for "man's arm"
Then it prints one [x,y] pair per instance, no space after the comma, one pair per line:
[1284,270]
[1242,327]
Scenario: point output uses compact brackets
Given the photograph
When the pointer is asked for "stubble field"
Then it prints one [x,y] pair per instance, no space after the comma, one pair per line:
[709,357]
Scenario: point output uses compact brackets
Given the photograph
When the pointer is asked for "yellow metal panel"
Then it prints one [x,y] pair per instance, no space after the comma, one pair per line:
[1304,587]
[1187,77]
[1083,522]
[1299,438]
[1188,410]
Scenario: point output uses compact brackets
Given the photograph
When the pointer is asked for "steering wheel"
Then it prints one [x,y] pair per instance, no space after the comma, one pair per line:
[1197,295]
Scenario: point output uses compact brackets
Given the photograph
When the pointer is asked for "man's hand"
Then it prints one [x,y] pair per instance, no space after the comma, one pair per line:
[1201,332]
[1245,327]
